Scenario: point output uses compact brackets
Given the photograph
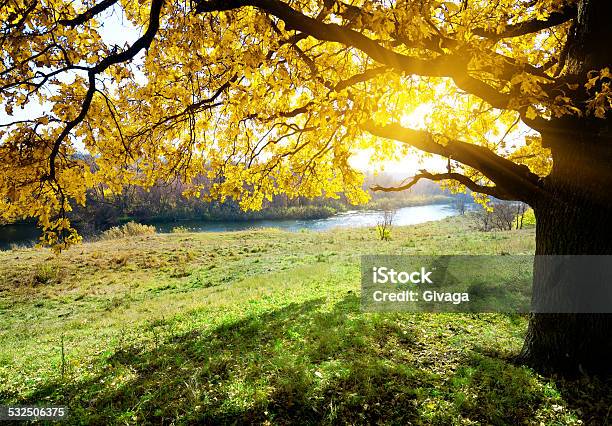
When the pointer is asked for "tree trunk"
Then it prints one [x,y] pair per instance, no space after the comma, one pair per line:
[575,218]
[569,342]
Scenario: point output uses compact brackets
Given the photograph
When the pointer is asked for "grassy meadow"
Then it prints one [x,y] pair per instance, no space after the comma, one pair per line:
[265,327]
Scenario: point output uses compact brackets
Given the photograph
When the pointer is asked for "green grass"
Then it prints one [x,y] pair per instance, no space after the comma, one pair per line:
[265,327]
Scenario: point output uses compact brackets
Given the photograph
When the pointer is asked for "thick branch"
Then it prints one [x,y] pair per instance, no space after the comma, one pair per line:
[88,14]
[464,180]
[449,65]
[295,20]
[515,180]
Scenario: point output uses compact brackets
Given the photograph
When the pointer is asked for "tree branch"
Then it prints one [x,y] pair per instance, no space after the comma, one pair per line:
[203,104]
[514,180]
[532,26]
[464,180]
[87,15]
[144,42]
[449,65]
[295,20]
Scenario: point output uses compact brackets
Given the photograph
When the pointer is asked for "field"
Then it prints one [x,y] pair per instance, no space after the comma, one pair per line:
[265,327]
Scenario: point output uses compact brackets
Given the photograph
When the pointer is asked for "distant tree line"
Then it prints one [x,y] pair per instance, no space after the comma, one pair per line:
[165,202]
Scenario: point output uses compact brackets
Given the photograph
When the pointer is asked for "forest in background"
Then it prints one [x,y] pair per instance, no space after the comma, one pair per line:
[165,202]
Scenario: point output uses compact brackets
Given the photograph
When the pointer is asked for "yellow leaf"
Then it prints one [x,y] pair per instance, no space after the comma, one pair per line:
[531,113]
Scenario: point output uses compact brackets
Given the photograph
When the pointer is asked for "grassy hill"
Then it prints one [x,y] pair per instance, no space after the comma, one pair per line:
[265,327]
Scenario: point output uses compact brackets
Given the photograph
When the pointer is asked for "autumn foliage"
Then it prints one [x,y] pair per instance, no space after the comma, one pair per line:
[265,97]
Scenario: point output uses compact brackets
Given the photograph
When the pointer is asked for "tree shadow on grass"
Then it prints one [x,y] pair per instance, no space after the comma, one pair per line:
[302,362]
[306,363]
[505,389]
[589,396]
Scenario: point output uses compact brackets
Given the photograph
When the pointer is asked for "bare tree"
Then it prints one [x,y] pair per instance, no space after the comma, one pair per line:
[521,208]
[484,220]
[502,217]
[461,203]
[385,224]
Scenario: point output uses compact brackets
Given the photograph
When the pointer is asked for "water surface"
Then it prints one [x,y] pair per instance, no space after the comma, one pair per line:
[27,235]
[349,219]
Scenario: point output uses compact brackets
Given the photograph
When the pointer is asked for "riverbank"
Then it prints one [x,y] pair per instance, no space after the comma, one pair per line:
[264,326]
[328,209]
[27,235]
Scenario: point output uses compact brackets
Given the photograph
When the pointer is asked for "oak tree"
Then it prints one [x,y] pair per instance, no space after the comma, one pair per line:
[264,97]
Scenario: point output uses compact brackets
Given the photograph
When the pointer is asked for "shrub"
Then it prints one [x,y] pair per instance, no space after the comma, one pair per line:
[297,212]
[384,225]
[179,230]
[384,234]
[529,218]
[127,230]
[46,273]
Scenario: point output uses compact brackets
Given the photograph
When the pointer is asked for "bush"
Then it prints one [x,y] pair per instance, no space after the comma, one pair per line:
[127,230]
[383,228]
[383,233]
[529,218]
[46,273]
[179,230]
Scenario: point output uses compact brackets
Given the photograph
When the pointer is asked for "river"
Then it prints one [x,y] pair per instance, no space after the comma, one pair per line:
[27,234]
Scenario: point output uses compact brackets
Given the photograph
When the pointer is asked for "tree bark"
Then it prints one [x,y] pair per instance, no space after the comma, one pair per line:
[574,218]
[569,343]
[589,45]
